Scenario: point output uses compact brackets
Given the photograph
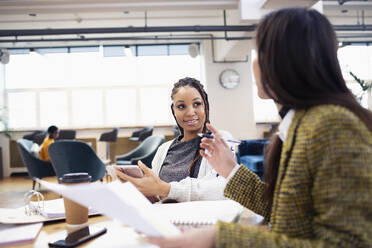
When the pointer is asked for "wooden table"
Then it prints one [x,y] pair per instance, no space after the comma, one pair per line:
[117,234]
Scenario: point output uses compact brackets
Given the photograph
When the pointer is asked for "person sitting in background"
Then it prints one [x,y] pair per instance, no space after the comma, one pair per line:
[178,170]
[318,170]
[53,133]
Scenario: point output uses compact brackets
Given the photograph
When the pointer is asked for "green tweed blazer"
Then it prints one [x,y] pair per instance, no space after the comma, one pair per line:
[323,196]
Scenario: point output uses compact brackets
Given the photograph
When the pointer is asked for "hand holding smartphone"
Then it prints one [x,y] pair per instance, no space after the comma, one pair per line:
[130,170]
[79,236]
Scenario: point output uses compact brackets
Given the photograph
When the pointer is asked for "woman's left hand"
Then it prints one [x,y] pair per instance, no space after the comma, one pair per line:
[149,185]
[198,237]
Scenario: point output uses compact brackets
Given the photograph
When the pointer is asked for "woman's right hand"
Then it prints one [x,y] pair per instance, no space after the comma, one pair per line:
[219,154]
[196,238]
[149,185]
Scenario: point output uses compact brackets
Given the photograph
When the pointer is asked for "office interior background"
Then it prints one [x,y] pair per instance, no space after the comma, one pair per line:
[95,65]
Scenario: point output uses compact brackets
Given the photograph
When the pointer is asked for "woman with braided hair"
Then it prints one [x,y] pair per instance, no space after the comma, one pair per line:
[178,170]
[318,170]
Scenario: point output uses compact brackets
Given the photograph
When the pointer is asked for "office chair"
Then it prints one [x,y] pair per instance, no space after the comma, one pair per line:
[36,167]
[36,136]
[66,134]
[144,152]
[72,156]
[176,131]
[142,134]
[251,154]
[108,137]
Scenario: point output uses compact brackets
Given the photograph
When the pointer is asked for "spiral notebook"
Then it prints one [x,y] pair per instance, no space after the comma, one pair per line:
[201,213]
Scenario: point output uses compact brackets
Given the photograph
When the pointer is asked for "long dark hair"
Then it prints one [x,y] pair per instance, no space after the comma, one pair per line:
[297,55]
[192,82]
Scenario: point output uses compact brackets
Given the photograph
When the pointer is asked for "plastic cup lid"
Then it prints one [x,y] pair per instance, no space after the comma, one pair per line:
[75,177]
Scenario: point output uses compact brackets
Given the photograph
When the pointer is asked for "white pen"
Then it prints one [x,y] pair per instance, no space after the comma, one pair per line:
[211,136]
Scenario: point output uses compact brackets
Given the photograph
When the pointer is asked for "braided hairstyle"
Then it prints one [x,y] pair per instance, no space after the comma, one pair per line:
[192,82]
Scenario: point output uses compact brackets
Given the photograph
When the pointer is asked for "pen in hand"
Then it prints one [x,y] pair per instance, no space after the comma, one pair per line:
[211,136]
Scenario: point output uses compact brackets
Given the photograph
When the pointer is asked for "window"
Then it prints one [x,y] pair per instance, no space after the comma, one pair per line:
[95,86]
[113,51]
[121,107]
[355,59]
[156,50]
[152,106]
[87,108]
[358,60]
[264,110]
[54,106]
[22,110]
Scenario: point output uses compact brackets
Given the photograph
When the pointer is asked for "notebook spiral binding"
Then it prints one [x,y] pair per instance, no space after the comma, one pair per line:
[33,209]
[187,224]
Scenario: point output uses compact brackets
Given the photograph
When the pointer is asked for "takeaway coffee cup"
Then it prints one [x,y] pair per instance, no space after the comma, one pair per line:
[76,214]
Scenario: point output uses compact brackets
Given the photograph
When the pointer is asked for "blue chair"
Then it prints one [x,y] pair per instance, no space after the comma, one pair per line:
[72,156]
[251,154]
[144,152]
[36,167]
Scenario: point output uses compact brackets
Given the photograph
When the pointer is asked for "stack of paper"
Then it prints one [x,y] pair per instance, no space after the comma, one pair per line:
[18,234]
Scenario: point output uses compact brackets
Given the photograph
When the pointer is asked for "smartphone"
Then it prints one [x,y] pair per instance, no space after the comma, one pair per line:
[80,236]
[131,170]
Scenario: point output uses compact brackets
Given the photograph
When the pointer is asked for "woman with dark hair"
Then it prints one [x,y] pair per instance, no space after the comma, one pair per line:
[318,179]
[178,170]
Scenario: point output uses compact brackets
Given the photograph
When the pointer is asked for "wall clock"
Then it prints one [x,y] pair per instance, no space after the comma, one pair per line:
[229,79]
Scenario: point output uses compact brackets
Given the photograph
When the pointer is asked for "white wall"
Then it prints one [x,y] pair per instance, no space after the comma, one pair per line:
[4,144]
[230,109]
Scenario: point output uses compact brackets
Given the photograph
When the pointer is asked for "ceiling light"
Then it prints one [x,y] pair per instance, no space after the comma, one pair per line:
[193,50]
[4,57]
[128,51]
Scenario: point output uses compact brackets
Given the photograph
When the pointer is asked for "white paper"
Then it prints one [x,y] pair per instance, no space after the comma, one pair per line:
[120,201]
[18,234]
[18,216]
[54,208]
[50,209]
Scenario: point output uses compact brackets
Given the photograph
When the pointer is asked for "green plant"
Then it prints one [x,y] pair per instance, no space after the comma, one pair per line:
[363,84]
[3,123]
